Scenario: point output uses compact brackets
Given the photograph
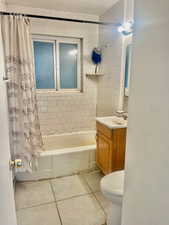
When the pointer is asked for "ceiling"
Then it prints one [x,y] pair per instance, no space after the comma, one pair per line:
[95,7]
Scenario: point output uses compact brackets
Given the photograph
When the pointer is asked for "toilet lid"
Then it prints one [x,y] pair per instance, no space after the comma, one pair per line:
[113,183]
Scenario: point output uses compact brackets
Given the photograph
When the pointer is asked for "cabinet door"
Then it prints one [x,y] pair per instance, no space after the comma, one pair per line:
[119,146]
[103,153]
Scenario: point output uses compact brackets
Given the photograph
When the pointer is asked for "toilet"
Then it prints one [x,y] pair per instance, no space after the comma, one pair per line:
[112,188]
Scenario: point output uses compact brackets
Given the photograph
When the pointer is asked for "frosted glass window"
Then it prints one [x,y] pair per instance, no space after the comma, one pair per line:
[57,63]
[68,65]
[44,64]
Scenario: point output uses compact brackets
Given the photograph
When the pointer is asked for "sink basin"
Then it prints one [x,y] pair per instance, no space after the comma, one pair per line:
[112,122]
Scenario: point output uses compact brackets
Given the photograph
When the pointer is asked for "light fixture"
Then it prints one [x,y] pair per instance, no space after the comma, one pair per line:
[126,28]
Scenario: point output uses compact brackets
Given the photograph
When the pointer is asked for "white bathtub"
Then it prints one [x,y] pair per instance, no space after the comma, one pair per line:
[64,154]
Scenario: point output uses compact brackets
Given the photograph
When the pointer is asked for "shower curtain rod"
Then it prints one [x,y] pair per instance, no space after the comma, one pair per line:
[57,18]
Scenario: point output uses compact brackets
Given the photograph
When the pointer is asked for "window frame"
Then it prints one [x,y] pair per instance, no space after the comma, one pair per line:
[128,42]
[57,40]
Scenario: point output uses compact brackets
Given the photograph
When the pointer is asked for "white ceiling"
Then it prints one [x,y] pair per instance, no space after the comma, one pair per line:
[95,7]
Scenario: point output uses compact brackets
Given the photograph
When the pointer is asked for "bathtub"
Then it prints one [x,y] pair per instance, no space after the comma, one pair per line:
[63,155]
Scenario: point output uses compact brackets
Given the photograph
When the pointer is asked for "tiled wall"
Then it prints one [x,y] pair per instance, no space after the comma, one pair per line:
[68,112]
[111,42]
[71,112]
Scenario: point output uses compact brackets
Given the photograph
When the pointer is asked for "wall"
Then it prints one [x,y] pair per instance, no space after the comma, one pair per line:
[112,44]
[111,87]
[147,164]
[68,112]
[2,5]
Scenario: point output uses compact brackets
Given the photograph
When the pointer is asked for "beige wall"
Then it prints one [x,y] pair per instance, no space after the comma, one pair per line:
[67,112]
[2,5]
[111,87]
[146,193]
[112,44]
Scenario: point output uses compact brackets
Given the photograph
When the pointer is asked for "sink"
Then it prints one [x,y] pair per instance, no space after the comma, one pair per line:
[112,122]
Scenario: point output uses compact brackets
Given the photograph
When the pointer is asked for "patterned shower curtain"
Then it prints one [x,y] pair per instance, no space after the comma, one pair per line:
[26,139]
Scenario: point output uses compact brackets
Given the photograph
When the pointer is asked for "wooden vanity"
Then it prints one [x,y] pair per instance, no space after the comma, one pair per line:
[111,144]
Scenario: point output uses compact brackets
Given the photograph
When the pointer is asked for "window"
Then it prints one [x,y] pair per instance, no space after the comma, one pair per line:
[57,63]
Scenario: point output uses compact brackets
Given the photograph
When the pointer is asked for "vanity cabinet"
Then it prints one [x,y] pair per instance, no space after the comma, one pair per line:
[111,144]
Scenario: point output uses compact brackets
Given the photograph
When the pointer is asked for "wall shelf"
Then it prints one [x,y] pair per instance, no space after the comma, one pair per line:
[94,74]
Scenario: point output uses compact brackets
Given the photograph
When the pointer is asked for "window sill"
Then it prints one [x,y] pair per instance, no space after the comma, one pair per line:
[55,92]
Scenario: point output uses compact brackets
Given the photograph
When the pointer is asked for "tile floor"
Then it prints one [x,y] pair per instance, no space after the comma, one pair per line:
[71,200]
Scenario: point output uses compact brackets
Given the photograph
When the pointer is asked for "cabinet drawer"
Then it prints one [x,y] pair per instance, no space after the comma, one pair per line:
[104,130]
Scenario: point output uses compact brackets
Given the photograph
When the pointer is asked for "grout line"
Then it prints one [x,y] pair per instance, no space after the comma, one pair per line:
[64,199]
[53,192]
[87,193]
[76,196]
[49,180]
[84,179]
[33,206]
[88,171]
[99,203]
[93,193]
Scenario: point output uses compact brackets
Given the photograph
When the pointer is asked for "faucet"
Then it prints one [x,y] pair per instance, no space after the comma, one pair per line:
[122,114]
[125,116]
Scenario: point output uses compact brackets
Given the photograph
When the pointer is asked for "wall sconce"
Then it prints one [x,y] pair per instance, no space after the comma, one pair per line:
[126,28]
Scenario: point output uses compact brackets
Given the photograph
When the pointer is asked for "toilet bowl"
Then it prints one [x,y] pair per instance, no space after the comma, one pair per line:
[112,188]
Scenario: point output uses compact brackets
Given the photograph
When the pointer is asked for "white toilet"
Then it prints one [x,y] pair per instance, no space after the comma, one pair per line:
[112,188]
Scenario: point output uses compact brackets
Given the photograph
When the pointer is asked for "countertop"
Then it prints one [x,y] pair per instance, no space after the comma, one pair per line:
[112,122]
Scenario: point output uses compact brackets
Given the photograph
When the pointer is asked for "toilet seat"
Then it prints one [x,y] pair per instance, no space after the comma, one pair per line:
[112,186]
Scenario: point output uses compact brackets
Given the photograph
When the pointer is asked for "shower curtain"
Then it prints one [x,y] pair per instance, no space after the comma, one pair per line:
[25,136]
